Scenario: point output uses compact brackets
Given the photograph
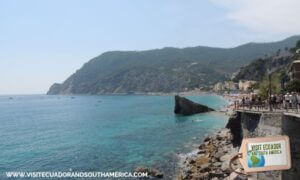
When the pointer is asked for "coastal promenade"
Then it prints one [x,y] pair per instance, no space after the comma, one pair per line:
[250,123]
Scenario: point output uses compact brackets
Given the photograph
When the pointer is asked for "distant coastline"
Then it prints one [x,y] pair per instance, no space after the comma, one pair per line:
[183,93]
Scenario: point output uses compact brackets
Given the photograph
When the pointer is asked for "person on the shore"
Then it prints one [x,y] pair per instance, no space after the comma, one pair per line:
[252,103]
[287,101]
[278,101]
[298,100]
[259,103]
[290,103]
[243,102]
[247,102]
[294,102]
[273,101]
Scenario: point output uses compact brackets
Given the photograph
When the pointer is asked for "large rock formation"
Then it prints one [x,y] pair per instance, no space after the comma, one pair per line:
[187,107]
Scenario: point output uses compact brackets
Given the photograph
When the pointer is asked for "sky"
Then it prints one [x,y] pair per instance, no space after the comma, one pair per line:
[43,42]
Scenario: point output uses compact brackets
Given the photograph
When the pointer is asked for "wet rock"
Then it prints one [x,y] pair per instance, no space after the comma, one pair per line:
[206,139]
[202,146]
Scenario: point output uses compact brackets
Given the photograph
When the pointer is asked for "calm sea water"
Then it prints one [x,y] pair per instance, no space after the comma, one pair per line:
[99,133]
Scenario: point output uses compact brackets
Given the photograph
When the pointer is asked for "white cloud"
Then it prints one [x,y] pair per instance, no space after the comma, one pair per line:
[273,16]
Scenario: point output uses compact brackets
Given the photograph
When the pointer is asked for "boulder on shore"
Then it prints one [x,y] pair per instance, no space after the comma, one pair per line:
[185,106]
[150,171]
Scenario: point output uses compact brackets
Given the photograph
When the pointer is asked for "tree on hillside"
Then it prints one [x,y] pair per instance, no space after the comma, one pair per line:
[293,86]
[298,44]
[278,52]
[275,85]
[293,50]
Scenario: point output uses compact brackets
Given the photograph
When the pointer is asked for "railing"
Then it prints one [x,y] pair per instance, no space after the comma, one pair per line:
[266,106]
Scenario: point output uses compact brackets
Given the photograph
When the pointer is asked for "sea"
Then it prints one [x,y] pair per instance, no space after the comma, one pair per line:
[111,133]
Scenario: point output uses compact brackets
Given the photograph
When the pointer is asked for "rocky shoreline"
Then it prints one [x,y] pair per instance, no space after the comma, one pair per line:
[211,159]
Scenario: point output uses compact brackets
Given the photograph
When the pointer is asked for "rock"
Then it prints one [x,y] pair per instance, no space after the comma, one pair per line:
[219,154]
[234,124]
[219,138]
[213,160]
[202,176]
[235,176]
[206,139]
[185,106]
[218,175]
[202,146]
[205,167]
[151,172]
[225,158]
[217,164]
[201,151]
[192,161]
[225,167]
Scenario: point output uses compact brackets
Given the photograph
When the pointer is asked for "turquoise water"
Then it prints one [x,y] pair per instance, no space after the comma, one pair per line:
[98,133]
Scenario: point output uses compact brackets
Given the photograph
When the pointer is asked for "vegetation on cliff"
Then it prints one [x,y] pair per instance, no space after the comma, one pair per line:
[277,67]
[163,70]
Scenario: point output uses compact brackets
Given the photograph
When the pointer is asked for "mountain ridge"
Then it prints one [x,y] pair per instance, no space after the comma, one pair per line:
[163,70]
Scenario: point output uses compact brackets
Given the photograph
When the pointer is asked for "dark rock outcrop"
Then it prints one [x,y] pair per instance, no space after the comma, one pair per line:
[234,124]
[185,106]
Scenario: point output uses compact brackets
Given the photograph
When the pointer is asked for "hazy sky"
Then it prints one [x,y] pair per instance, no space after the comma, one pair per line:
[42,42]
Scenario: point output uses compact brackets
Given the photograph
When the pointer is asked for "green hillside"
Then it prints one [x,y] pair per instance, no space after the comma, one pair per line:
[163,70]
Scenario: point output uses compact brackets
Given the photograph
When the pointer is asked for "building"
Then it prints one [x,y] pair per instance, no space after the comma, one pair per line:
[230,85]
[226,86]
[245,85]
[294,70]
[218,87]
